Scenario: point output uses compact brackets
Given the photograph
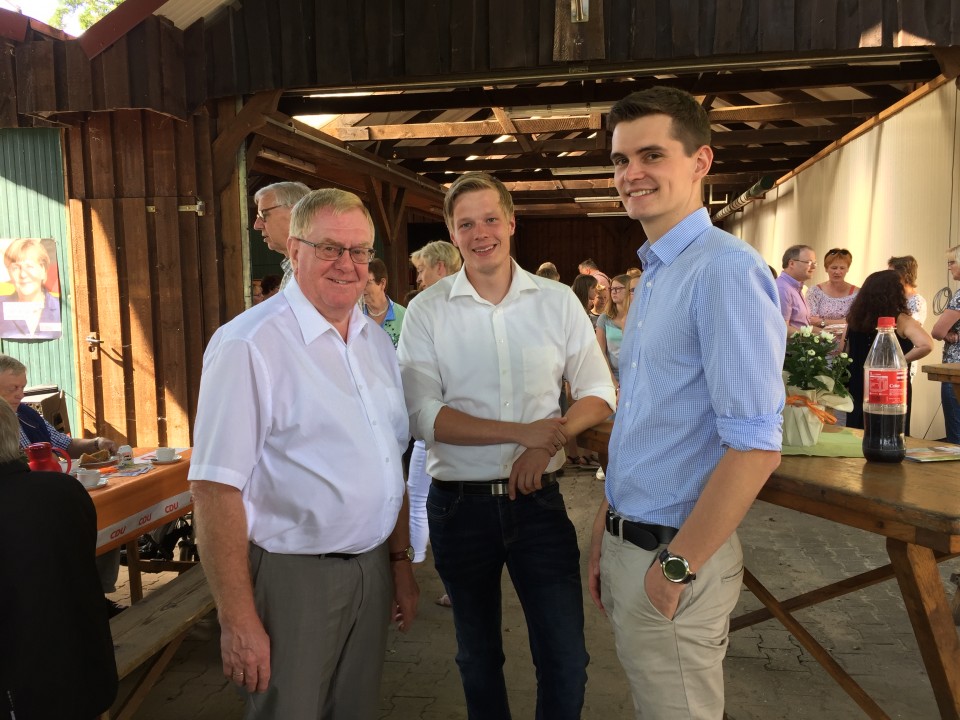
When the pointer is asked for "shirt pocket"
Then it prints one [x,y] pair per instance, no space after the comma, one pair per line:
[541,370]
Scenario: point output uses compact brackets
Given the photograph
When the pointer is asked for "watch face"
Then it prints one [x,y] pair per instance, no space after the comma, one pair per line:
[674,569]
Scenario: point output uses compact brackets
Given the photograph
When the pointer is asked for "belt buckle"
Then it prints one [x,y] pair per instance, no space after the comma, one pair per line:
[499,489]
[614,524]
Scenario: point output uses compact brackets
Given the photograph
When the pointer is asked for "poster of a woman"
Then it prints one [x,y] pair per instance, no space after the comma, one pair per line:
[30,302]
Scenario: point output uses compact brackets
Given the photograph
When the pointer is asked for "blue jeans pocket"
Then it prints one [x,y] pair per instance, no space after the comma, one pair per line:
[441,505]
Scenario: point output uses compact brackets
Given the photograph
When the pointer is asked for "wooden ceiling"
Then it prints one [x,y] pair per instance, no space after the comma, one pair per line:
[546,139]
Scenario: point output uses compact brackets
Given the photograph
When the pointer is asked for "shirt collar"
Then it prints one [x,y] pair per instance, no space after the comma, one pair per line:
[677,239]
[312,323]
[520,281]
[791,281]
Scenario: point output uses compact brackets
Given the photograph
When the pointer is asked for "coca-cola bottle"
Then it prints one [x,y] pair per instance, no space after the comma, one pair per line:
[884,396]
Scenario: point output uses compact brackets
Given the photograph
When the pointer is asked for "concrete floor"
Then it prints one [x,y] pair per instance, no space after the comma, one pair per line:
[768,675]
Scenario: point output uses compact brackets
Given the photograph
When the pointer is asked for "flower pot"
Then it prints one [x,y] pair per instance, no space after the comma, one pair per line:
[801,426]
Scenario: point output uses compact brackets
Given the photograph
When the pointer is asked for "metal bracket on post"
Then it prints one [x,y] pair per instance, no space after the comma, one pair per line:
[200,208]
[579,11]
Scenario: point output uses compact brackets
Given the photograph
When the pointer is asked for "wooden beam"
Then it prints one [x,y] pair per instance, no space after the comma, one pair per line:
[231,138]
[115,24]
[873,122]
[510,128]
[796,111]
[591,91]
[465,129]
[482,149]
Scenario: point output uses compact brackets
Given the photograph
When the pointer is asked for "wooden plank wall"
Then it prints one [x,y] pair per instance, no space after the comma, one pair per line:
[144,69]
[611,242]
[266,44]
[147,275]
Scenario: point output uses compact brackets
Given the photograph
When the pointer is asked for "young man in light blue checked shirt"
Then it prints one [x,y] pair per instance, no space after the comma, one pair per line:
[698,426]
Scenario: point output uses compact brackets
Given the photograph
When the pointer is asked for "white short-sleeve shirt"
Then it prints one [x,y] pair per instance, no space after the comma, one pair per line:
[310,428]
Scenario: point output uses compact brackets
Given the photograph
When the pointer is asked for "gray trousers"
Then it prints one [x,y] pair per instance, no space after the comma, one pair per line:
[327,620]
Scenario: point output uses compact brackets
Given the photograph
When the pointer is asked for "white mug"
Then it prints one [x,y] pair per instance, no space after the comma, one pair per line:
[166,454]
[88,478]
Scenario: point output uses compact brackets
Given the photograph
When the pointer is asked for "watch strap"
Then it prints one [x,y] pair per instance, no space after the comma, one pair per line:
[405,554]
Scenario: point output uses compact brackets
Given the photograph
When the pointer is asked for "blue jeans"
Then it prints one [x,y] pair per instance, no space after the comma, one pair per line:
[951,412]
[473,536]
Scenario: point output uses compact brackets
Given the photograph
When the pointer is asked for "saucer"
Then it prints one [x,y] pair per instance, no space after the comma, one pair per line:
[176,459]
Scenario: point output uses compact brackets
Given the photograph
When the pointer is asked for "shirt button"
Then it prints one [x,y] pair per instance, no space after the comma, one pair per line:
[506,404]
[633,364]
[650,283]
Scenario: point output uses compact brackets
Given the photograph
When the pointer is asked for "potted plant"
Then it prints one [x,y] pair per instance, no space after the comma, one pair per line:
[815,376]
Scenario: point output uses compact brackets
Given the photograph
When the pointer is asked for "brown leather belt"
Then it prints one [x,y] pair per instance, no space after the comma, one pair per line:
[488,487]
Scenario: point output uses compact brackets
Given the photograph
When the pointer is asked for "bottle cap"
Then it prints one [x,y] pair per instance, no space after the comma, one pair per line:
[886,322]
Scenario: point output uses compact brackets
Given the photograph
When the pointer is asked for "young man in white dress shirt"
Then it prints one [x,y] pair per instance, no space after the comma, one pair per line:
[297,480]
[482,356]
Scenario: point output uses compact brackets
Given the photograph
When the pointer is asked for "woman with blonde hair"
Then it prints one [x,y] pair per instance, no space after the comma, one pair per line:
[30,311]
[830,301]
[610,324]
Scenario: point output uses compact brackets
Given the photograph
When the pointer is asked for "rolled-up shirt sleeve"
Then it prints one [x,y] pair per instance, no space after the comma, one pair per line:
[585,367]
[744,339]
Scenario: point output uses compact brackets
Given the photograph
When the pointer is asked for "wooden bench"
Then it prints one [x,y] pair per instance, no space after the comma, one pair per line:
[154,628]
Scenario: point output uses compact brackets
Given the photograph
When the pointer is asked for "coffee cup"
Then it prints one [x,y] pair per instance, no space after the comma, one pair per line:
[88,478]
[166,454]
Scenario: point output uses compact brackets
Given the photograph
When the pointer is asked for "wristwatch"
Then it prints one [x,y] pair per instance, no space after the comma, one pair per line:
[675,568]
[405,554]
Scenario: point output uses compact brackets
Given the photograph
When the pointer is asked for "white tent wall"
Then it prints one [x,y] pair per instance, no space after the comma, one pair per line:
[892,191]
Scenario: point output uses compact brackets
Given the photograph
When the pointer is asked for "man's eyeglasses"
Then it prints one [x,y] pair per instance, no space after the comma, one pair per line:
[812,263]
[262,214]
[323,251]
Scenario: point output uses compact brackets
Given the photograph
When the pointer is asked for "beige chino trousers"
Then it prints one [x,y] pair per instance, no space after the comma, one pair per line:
[675,667]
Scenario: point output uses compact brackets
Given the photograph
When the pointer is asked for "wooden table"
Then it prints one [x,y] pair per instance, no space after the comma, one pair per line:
[915,506]
[945,372]
[129,507]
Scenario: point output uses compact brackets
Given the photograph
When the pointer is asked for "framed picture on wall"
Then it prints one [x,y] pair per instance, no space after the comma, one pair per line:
[29,290]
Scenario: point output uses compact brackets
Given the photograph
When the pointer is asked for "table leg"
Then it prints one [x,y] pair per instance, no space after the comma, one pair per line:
[819,653]
[133,571]
[929,611]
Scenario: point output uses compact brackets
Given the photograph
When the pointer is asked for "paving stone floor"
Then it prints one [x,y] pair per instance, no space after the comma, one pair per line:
[768,674]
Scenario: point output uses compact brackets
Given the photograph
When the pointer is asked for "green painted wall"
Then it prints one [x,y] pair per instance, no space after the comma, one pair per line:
[32,204]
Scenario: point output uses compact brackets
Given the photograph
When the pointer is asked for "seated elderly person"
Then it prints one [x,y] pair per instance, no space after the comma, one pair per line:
[33,428]
[57,654]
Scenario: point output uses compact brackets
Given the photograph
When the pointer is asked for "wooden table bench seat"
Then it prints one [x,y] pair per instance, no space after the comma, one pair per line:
[154,628]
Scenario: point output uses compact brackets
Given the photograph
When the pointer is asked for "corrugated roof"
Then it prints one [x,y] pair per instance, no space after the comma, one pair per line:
[183,13]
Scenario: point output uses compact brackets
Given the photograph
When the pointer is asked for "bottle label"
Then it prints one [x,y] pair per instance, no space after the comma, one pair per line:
[886,387]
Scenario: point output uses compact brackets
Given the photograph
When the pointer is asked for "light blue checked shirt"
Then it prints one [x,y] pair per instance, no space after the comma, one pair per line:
[699,370]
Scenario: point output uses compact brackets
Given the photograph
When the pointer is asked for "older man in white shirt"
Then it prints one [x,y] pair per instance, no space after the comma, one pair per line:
[297,480]
[482,356]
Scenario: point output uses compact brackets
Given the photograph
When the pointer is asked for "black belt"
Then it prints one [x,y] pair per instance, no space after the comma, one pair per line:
[338,556]
[490,487]
[644,535]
